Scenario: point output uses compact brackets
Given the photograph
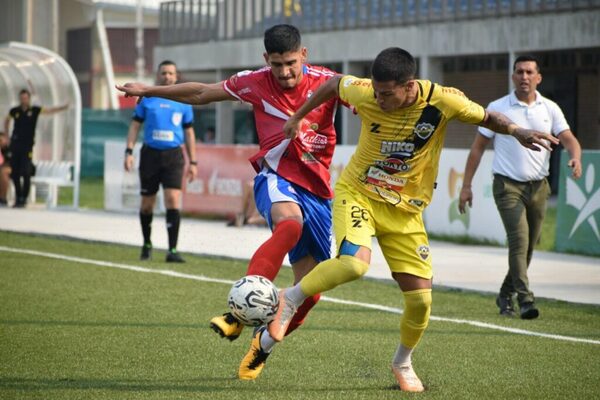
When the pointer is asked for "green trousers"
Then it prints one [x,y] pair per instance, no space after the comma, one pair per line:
[522,207]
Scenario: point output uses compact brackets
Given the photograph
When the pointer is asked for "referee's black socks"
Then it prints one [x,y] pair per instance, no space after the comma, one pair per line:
[173,218]
[146,222]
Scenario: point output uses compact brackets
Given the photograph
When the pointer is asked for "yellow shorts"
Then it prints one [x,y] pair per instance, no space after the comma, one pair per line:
[401,234]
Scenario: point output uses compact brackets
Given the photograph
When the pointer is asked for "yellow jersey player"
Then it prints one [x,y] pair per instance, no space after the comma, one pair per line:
[387,184]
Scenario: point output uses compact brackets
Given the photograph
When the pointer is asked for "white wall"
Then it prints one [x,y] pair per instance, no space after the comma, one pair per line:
[442,216]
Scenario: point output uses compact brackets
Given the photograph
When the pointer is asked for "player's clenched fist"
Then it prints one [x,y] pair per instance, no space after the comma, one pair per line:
[292,128]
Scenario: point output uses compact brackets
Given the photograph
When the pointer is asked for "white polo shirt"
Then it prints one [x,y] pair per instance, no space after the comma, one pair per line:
[513,160]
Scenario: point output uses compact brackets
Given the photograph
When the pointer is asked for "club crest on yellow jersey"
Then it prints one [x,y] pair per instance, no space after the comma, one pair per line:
[423,251]
[424,130]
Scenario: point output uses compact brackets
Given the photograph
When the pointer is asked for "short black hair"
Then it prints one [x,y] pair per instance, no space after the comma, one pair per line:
[25,91]
[282,38]
[166,62]
[393,64]
[525,58]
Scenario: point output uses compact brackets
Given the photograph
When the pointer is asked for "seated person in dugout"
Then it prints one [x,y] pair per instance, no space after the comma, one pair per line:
[4,169]
[248,215]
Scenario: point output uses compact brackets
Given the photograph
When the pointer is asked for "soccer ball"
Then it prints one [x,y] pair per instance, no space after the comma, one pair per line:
[253,300]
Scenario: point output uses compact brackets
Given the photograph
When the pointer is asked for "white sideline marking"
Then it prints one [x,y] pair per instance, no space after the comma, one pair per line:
[464,321]
[378,307]
[109,264]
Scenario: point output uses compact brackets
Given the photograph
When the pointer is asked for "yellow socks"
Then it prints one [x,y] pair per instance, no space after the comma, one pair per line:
[417,306]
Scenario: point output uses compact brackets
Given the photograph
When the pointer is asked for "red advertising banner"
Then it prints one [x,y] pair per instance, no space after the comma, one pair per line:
[222,172]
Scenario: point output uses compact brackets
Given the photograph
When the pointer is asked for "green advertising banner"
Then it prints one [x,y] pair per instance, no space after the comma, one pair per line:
[578,212]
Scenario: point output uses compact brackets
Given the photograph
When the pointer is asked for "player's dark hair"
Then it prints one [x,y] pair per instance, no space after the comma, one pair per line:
[282,38]
[167,62]
[25,91]
[525,58]
[393,64]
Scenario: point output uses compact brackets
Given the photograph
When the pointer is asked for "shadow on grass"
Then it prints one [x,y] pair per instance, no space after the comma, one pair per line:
[126,385]
[206,384]
[111,324]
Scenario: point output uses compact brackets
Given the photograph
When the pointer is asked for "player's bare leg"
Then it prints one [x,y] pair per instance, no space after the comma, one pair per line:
[417,306]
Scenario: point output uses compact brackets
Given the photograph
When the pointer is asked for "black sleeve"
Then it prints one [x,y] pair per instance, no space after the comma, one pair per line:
[138,119]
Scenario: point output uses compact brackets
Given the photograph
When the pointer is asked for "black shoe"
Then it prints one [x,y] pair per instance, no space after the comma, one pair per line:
[529,311]
[19,202]
[505,305]
[146,253]
[174,257]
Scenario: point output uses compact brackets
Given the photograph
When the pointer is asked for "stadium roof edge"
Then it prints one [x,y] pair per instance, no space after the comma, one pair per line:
[150,7]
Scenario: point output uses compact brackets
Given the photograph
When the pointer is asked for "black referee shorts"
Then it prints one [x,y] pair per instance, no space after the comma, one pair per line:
[20,164]
[160,167]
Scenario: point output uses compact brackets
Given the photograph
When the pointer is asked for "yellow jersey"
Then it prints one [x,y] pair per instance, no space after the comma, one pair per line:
[397,156]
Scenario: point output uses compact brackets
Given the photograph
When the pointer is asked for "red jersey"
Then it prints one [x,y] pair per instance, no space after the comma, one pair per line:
[305,160]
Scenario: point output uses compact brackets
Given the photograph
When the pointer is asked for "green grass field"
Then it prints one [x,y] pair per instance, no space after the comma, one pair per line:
[73,330]
[91,194]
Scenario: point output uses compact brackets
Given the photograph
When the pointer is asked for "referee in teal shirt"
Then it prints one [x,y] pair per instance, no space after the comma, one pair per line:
[167,126]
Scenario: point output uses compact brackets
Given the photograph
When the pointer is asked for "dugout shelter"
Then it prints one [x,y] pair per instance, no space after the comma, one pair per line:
[51,81]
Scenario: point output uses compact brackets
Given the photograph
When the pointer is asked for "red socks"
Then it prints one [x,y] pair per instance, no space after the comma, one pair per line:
[267,260]
[300,315]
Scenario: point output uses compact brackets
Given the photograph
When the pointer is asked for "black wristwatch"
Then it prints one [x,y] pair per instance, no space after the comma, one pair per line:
[193,162]
[129,151]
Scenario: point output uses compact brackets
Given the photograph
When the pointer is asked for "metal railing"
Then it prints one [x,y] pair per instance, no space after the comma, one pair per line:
[186,21]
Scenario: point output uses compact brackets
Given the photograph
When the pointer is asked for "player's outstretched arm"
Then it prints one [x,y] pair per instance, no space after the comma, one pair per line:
[529,138]
[54,110]
[195,93]
[325,92]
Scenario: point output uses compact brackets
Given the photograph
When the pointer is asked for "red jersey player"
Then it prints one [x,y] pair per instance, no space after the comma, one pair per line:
[292,188]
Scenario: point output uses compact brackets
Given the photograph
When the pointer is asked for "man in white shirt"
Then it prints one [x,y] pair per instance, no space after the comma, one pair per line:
[520,186]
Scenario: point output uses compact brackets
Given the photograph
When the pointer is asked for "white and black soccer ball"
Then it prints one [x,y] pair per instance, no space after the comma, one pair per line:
[253,300]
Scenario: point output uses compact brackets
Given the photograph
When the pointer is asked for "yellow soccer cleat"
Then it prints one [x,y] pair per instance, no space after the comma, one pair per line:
[407,379]
[227,326]
[254,361]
